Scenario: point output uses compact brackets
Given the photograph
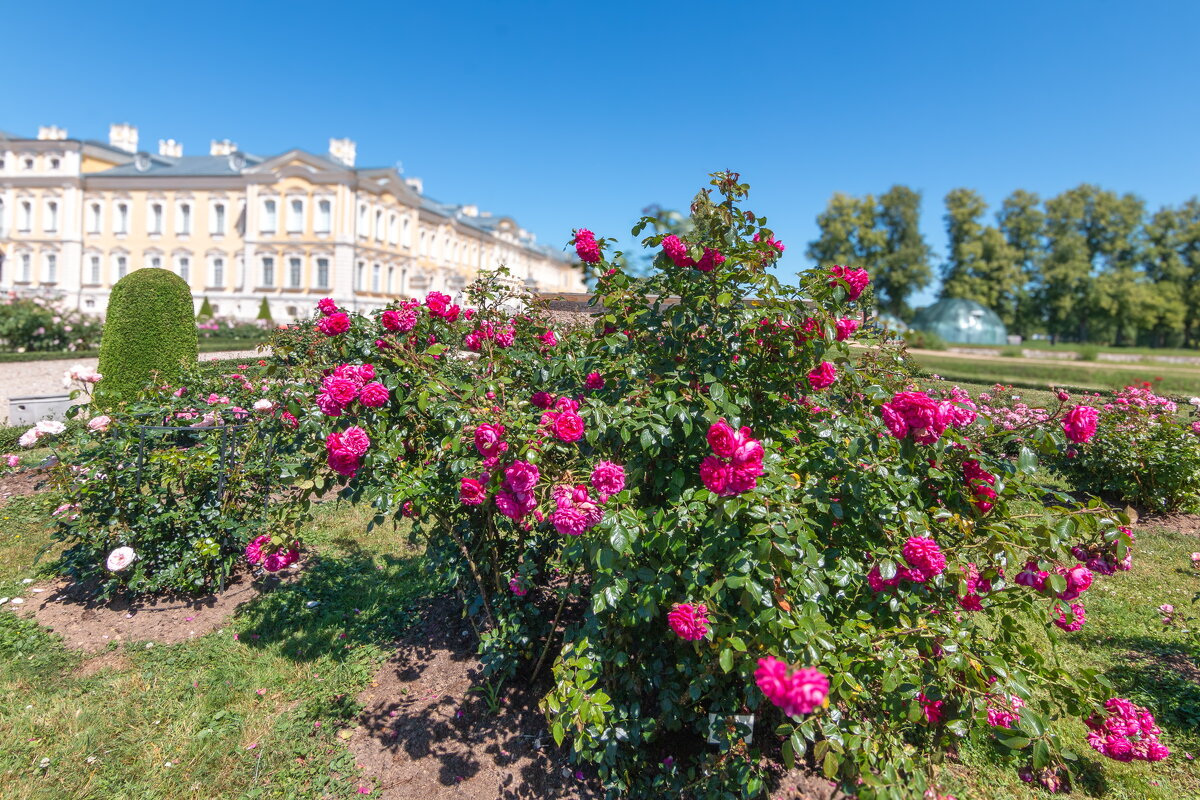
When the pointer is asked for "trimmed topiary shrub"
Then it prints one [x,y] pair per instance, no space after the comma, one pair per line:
[206,310]
[264,311]
[149,328]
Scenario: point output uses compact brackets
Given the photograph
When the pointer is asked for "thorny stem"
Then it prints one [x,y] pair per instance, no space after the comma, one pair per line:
[553,628]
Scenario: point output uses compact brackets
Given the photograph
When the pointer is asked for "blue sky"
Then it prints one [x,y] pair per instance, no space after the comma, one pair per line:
[567,115]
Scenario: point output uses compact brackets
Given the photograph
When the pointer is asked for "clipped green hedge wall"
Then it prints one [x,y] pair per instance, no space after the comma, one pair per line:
[149,327]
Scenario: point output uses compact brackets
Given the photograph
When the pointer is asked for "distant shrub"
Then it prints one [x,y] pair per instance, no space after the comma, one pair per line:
[1012,351]
[924,340]
[264,311]
[149,328]
[1088,352]
[36,324]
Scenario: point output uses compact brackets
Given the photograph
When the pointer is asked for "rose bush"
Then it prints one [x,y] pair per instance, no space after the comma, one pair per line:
[709,504]
[176,482]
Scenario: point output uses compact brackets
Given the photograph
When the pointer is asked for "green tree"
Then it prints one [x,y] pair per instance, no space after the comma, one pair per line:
[1023,224]
[881,236]
[149,331]
[1173,264]
[264,312]
[981,265]
[206,311]
[1090,272]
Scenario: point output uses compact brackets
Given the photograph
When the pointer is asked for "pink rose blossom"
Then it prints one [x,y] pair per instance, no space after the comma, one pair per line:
[514,586]
[709,260]
[846,328]
[568,426]
[689,622]
[924,555]
[1080,424]
[549,339]
[855,280]
[801,692]
[437,303]
[715,474]
[355,440]
[722,438]
[471,492]
[489,440]
[374,395]
[327,306]
[676,250]
[254,554]
[521,476]
[594,381]
[608,479]
[586,247]
[823,376]
[328,405]
[1062,614]
[541,400]
[334,324]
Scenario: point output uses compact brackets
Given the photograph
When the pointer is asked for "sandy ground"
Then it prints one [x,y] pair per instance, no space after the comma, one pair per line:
[26,378]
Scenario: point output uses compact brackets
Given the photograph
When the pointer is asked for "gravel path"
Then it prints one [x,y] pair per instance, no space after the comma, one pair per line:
[30,378]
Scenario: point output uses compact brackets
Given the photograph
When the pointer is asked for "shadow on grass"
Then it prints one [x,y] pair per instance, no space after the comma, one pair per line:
[339,602]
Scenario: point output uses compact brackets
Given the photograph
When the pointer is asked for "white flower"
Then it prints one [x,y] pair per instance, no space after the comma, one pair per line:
[51,427]
[263,405]
[120,558]
[1195,401]
[100,423]
[29,438]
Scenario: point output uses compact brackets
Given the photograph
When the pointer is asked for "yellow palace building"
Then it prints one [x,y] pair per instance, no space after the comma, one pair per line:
[76,215]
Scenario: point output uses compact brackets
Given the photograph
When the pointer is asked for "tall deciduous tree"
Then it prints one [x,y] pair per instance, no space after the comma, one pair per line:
[981,265]
[1090,275]
[882,236]
[1173,264]
[1023,224]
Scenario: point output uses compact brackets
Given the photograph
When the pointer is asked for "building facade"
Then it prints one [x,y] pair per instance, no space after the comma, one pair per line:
[77,215]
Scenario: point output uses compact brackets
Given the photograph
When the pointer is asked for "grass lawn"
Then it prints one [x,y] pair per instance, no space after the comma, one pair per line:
[1041,374]
[254,710]
[1075,347]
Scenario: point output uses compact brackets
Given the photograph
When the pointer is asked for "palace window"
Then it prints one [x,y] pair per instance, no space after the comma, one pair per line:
[324,221]
[29,163]
[269,217]
[362,221]
[156,219]
[322,273]
[393,229]
[375,277]
[379,226]
[268,272]
[184,267]
[51,225]
[122,218]
[183,219]
[94,216]
[218,219]
[360,277]
[94,264]
[55,163]
[25,218]
[217,276]
[26,268]
[51,268]
[295,217]
[123,266]
[154,262]
[295,272]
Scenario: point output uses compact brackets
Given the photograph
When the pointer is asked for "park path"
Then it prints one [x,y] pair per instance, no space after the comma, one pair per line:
[1107,365]
[31,378]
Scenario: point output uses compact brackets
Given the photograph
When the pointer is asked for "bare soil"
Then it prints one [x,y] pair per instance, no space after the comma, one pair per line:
[21,483]
[90,625]
[424,734]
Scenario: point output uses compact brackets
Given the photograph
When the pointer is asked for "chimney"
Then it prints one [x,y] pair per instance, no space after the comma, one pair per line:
[123,136]
[416,184]
[222,148]
[170,148]
[342,151]
[52,133]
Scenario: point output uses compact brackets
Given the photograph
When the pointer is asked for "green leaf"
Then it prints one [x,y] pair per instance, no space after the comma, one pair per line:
[1027,461]
[1041,754]
[557,731]
[1015,742]
[726,660]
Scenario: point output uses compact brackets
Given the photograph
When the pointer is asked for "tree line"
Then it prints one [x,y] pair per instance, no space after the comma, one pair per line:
[1087,265]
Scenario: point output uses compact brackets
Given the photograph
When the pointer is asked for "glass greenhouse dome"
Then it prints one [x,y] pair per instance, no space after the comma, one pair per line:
[961,322]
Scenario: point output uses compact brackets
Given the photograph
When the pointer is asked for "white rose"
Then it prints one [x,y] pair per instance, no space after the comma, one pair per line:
[1195,401]
[121,558]
[29,438]
[51,427]
[263,405]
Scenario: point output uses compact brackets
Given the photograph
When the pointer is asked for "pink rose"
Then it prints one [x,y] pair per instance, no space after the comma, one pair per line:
[548,338]
[924,555]
[437,303]
[854,280]
[594,381]
[846,328]
[586,247]
[334,324]
[341,390]
[689,622]
[608,479]
[471,492]
[716,475]
[521,476]
[568,426]
[355,440]
[1080,424]
[677,251]
[329,406]
[374,395]
[489,440]
[709,260]
[569,521]
[344,462]
[327,307]
[823,376]
[801,692]
[722,438]
[541,400]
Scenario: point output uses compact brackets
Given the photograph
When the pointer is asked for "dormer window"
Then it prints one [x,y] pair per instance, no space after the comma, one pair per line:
[29,163]
[55,163]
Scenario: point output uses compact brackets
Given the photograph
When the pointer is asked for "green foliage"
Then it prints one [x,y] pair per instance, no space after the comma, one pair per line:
[883,236]
[782,568]
[1012,351]
[184,481]
[37,324]
[1089,352]
[924,340]
[982,265]
[1142,455]
[206,311]
[149,333]
[264,311]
